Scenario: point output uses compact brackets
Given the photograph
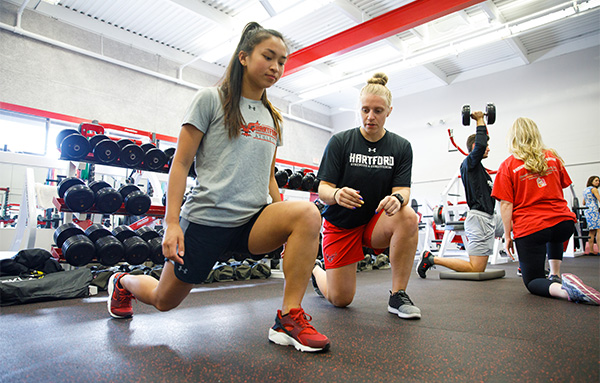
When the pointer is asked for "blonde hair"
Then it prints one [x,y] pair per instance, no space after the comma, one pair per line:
[376,85]
[525,143]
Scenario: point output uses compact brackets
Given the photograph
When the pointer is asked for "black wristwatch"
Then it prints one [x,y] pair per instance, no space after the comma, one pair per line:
[400,198]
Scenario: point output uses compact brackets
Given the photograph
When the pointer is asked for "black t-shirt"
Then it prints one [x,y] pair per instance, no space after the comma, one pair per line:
[373,168]
[476,180]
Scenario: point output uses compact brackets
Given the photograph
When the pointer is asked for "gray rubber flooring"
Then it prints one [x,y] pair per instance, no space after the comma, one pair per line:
[489,331]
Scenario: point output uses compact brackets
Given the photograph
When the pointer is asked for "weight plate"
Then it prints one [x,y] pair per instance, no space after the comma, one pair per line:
[147,233]
[126,189]
[108,200]
[123,232]
[490,111]
[62,135]
[155,159]
[169,152]
[131,155]
[137,203]
[316,186]
[466,115]
[97,231]
[66,183]
[79,198]
[136,250]
[109,250]
[75,147]
[295,180]
[65,231]
[156,254]
[308,181]
[124,142]
[282,178]
[97,185]
[147,146]
[97,138]
[106,151]
[78,250]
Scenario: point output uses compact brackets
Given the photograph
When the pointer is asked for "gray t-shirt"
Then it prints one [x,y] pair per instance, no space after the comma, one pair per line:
[232,182]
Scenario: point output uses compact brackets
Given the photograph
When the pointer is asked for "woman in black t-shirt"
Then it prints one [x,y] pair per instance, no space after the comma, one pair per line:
[365,178]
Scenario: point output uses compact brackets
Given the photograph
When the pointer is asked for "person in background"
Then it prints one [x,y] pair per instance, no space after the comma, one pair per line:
[591,199]
[529,185]
[232,131]
[365,178]
[482,224]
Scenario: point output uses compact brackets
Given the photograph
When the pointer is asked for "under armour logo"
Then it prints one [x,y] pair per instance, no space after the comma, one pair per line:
[252,107]
[372,150]
[182,269]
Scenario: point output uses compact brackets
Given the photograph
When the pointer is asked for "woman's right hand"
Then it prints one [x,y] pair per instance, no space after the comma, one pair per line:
[349,198]
[173,244]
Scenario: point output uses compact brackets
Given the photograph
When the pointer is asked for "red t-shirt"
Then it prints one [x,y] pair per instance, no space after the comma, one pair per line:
[538,201]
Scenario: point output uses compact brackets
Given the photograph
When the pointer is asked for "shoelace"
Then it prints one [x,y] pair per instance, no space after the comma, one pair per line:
[404,298]
[302,319]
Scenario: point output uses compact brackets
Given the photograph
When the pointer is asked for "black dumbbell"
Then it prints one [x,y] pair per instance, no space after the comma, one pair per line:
[131,154]
[77,249]
[106,198]
[281,176]
[490,114]
[154,240]
[154,158]
[78,197]
[109,250]
[308,181]
[136,249]
[136,201]
[170,152]
[315,188]
[72,144]
[295,180]
[104,149]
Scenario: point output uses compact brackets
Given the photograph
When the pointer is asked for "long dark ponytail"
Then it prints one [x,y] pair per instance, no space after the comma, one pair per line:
[231,86]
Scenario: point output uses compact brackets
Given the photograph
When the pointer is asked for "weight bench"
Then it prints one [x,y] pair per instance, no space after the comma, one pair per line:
[473,276]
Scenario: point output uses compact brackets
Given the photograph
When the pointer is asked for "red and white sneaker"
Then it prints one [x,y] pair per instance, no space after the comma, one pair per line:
[293,329]
[119,299]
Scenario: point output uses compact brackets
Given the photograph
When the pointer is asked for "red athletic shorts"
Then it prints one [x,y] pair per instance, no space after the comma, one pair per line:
[343,247]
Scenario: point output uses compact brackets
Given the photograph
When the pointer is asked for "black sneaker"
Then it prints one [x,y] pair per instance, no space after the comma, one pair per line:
[314,280]
[554,278]
[425,264]
[401,305]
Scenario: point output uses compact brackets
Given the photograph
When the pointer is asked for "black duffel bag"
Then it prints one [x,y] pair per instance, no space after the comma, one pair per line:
[47,287]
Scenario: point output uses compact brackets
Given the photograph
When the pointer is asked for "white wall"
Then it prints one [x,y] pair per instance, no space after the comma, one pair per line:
[561,94]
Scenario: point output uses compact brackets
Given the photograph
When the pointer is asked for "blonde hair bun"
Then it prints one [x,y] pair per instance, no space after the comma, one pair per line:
[378,78]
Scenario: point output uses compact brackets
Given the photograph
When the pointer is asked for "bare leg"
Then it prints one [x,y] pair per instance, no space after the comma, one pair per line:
[165,294]
[337,285]
[476,263]
[554,266]
[298,223]
[401,233]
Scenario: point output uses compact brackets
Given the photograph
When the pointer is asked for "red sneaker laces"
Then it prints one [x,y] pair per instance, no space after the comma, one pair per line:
[302,319]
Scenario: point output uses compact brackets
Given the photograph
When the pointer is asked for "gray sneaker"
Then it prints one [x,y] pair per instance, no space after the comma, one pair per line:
[578,291]
[401,305]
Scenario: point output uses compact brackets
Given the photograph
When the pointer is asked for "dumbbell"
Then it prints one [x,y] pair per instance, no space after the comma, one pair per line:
[170,152]
[109,250]
[281,176]
[308,181]
[154,240]
[136,249]
[78,197]
[72,144]
[154,158]
[131,154]
[107,199]
[136,201]
[490,114]
[77,249]
[295,180]
[104,149]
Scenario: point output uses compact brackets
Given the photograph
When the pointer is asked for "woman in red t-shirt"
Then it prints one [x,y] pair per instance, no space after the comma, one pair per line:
[529,185]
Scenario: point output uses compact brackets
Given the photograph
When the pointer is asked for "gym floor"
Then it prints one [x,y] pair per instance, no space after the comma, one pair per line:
[492,331]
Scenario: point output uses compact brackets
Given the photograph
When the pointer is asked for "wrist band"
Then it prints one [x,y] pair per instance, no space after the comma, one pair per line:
[334,193]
